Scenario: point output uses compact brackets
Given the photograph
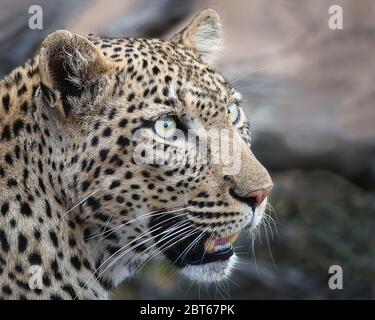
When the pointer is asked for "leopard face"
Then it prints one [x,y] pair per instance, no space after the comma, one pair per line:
[126,120]
[148,196]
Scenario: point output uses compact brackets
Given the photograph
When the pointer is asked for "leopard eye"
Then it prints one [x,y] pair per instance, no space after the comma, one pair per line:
[165,127]
[234,113]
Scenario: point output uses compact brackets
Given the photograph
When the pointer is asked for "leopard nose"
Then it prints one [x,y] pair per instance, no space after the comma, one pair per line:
[253,198]
[256,197]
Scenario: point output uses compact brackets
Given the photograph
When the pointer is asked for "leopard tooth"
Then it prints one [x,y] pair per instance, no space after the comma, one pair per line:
[209,246]
[233,237]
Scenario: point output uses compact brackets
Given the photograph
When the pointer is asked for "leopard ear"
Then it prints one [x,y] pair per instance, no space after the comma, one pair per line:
[203,35]
[70,64]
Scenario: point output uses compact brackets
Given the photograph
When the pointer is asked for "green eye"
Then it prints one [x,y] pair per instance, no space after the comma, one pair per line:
[234,113]
[165,127]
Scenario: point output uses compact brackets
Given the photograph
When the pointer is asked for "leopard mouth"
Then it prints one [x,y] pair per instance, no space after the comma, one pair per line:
[202,252]
[219,249]
[183,250]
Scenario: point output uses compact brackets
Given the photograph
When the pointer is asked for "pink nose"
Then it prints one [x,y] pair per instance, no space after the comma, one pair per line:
[257,197]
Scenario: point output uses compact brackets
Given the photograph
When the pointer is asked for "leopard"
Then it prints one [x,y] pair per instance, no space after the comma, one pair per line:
[99,169]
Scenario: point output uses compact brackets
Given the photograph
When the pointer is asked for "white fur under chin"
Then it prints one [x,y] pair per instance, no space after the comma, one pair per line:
[210,272]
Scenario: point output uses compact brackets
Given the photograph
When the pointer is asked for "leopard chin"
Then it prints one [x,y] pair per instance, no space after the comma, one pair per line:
[212,271]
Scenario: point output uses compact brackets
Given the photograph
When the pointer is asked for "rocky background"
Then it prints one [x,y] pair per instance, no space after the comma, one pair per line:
[309,92]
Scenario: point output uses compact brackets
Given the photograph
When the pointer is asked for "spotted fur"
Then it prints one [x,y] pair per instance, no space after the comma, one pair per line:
[71,194]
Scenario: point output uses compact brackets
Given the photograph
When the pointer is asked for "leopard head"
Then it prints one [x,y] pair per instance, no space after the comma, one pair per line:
[158,149]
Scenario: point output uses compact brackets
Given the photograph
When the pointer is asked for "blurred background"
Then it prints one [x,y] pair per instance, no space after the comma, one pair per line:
[309,93]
